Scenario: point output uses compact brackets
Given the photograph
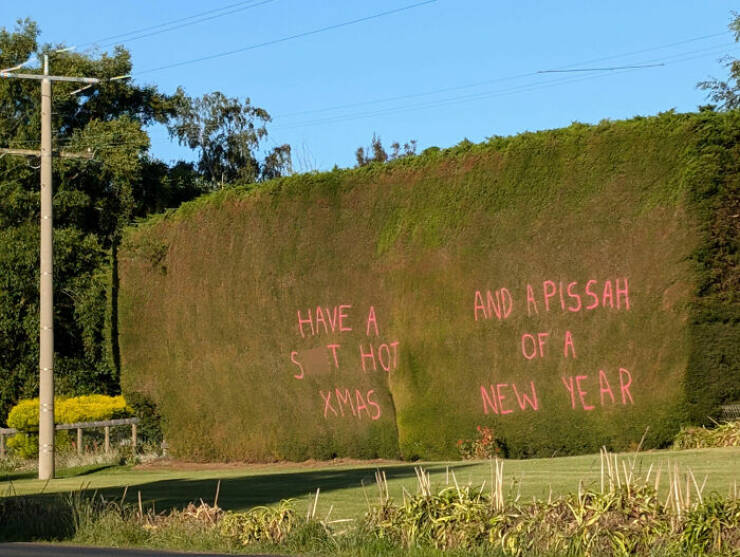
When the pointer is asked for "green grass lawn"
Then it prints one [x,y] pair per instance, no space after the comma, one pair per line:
[341,485]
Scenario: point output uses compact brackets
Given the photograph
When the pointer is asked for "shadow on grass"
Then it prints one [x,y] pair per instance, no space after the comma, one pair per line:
[51,516]
[236,493]
[75,472]
[36,517]
[15,476]
[85,470]
[244,492]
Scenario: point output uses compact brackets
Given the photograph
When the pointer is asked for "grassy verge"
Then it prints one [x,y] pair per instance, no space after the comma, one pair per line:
[635,505]
[243,487]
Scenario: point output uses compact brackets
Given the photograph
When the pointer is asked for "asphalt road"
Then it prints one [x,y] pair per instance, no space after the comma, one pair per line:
[48,550]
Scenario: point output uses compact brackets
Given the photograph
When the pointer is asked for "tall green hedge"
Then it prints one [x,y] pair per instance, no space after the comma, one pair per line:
[590,272]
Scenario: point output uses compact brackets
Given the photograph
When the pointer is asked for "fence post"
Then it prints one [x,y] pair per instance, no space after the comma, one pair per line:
[133,437]
[107,439]
[2,445]
[79,440]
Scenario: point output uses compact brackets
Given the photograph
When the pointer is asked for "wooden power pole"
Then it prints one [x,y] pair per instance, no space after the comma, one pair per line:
[46,288]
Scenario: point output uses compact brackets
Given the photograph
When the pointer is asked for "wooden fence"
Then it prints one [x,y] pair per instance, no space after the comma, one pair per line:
[730,412]
[79,426]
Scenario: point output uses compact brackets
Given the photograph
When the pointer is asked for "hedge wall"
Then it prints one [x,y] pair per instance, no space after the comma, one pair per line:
[567,288]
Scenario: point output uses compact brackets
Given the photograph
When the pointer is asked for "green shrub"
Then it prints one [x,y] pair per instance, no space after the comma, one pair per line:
[150,422]
[712,527]
[260,524]
[484,446]
[24,417]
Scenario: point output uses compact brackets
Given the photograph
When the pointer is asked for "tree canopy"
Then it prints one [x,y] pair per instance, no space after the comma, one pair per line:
[94,199]
[227,134]
[377,153]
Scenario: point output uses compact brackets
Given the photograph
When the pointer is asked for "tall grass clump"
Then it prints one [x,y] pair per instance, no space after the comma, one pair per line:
[202,527]
[627,514]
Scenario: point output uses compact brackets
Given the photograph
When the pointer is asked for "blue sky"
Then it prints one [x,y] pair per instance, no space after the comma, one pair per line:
[436,72]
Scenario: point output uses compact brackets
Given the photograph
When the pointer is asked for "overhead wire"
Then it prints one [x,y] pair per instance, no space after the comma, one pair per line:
[252,3]
[523,88]
[286,38]
[122,36]
[180,26]
[527,87]
[656,62]
[161,28]
[650,49]
[494,80]
[408,96]
[604,69]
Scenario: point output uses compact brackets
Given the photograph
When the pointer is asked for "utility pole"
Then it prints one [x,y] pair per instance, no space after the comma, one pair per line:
[46,287]
[46,299]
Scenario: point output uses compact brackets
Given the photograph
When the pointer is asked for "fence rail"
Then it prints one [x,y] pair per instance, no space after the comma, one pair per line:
[106,423]
[79,426]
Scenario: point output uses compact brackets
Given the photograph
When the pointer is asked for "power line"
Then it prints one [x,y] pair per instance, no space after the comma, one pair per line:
[606,69]
[172,22]
[651,49]
[448,89]
[518,88]
[180,26]
[523,88]
[287,38]
[496,80]
[408,96]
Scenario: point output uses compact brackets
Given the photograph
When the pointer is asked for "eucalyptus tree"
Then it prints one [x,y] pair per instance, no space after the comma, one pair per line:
[228,135]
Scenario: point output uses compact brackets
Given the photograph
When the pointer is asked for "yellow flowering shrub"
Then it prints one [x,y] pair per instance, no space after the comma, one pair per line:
[24,417]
